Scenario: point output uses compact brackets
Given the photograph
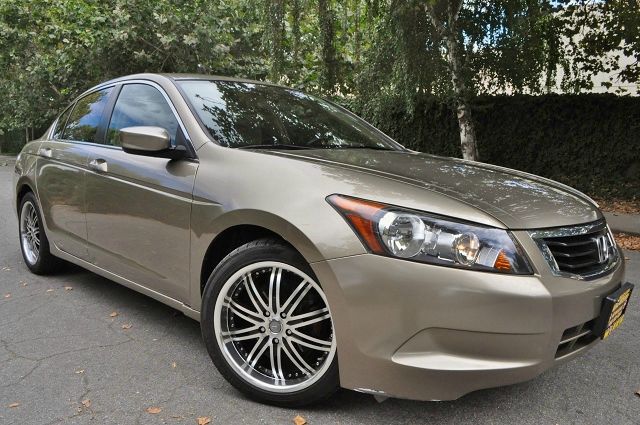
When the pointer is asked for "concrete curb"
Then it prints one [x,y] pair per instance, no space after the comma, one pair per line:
[625,223]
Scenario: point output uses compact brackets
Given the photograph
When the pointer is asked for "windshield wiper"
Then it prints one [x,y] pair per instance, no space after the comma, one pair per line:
[275,146]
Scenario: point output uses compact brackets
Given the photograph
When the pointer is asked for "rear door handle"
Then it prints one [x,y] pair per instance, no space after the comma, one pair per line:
[99,165]
[45,152]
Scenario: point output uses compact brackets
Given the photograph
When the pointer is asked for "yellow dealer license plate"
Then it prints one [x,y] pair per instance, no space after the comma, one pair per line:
[613,310]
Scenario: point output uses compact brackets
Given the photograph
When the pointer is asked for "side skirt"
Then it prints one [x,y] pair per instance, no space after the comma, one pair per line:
[171,302]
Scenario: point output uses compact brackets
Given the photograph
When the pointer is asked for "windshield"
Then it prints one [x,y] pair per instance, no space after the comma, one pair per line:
[245,115]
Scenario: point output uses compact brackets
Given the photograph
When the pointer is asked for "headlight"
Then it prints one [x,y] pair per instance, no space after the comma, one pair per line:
[413,235]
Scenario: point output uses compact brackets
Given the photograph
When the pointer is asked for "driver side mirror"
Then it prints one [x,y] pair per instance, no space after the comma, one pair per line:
[150,141]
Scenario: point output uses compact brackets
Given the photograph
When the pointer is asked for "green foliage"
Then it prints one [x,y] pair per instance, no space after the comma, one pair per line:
[380,56]
[599,34]
[52,50]
[588,141]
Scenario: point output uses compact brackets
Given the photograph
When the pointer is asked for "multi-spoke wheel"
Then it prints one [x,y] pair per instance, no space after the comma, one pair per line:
[30,232]
[33,241]
[268,326]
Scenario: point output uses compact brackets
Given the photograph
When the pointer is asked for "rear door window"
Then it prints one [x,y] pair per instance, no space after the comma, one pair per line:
[83,123]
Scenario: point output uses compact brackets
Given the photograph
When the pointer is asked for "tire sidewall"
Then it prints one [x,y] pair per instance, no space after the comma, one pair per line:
[244,256]
[44,242]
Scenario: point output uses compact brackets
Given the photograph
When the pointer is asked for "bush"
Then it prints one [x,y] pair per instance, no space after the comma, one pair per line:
[12,141]
[589,141]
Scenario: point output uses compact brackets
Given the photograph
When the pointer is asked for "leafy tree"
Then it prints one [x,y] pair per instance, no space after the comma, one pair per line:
[455,50]
[52,50]
[368,54]
[598,35]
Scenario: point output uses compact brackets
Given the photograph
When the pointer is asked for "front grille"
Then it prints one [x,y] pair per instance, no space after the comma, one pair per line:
[575,338]
[578,254]
[583,251]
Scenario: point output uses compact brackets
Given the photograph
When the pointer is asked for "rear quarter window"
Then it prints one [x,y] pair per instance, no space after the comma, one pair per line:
[62,121]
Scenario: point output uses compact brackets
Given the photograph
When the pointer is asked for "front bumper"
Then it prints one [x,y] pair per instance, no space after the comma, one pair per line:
[424,332]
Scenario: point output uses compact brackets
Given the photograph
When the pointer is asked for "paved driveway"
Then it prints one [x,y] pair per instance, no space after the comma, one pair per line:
[59,347]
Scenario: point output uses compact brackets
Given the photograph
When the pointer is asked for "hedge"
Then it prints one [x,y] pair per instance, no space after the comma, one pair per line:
[589,141]
[11,141]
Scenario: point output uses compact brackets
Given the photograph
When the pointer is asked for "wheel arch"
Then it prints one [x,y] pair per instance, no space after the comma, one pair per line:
[242,226]
[22,188]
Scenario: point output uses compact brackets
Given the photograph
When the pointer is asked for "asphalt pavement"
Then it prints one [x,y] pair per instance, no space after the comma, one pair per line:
[65,359]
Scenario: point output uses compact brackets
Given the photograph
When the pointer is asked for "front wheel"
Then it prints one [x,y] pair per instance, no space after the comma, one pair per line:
[267,326]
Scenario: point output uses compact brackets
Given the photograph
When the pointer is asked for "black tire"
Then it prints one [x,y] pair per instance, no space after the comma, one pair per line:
[250,253]
[46,263]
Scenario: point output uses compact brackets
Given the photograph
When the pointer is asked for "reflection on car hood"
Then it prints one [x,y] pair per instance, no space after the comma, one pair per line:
[517,199]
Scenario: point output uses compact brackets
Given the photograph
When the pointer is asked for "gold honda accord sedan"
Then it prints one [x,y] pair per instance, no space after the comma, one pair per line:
[315,251]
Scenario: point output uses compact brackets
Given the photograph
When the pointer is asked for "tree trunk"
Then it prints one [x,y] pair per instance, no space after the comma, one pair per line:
[357,35]
[276,37]
[468,141]
[444,17]
[296,13]
[326,21]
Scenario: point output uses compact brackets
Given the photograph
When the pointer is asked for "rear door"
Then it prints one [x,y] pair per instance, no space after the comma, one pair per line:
[61,172]
[139,207]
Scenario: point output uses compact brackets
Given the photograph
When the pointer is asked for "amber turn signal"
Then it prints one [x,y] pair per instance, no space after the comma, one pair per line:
[502,262]
[361,215]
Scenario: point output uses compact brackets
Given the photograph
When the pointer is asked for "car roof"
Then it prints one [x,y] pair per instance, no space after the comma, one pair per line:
[181,77]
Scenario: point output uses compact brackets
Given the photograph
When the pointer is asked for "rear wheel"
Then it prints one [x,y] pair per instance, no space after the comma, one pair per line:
[33,241]
[267,325]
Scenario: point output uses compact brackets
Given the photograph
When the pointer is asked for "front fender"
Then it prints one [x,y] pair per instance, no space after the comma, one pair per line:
[208,220]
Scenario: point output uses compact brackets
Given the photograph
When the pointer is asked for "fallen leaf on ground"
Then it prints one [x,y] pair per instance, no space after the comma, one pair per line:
[174,365]
[299,420]
[79,371]
[113,314]
[638,393]
[619,206]
[86,403]
[204,420]
[154,410]
[127,326]
[6,269]
[7,295]
[626,241]
[24,283]
[49,290]
[68,288]
[12,405]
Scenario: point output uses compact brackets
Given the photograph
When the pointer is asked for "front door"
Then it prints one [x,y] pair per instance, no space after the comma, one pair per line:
[138,207]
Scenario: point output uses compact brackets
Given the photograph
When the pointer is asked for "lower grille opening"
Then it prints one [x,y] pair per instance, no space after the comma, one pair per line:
[575,338]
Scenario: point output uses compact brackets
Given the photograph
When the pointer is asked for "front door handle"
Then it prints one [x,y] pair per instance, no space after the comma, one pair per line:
[99,165]
[45,152]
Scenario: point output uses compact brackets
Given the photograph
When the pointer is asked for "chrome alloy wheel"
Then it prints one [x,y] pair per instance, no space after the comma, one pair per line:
[273,325]
[30,232]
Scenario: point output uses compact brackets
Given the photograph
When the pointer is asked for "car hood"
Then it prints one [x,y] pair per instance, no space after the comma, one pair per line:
[517,199]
